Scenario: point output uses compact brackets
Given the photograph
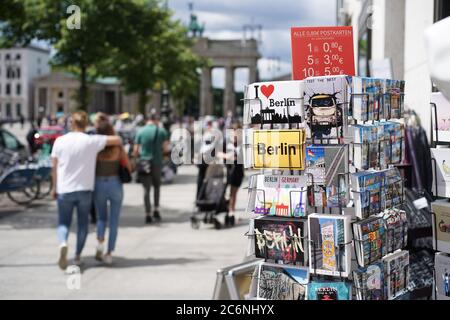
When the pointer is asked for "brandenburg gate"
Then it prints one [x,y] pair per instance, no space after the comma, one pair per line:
[228,54]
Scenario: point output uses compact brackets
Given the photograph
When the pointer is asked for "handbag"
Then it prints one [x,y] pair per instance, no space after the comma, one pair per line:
[144,166]
[124,174]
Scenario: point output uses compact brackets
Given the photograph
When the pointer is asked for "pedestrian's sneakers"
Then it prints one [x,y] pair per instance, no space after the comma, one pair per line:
[230,220]
[148,219]
[107,259]
[77,261]
[156,216]
[62,262]
[99,252]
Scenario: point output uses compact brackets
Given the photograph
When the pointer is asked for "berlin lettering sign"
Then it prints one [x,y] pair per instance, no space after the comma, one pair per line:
[322,51]
[279,149]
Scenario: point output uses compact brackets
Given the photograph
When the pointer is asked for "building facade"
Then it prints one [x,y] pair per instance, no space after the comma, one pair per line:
[18,68]
[56,93]
[393,31]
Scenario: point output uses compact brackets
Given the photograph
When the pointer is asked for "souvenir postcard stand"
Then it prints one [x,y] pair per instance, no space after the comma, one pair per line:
[435,237]
[434,217]
[310,182]
[434,143]
[267,120]
[384,101]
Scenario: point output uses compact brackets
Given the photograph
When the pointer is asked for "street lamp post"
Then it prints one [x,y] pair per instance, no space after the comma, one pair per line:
[166,111]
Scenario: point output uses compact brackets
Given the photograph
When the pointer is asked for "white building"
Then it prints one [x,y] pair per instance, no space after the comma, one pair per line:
[394,29]
[18,68]
[56,92]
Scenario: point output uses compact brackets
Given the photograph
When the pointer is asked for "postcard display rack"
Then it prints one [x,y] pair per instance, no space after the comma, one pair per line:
[440,208]
[327,212]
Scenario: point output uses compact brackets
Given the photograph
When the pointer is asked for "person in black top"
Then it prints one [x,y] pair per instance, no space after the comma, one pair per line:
[30,138]
[233,151]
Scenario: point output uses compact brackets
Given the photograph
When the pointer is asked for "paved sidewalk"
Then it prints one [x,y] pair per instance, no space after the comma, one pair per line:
[166,261]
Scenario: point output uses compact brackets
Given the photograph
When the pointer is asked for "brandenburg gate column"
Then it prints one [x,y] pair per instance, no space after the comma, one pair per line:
[252,73]
[205,92]
[228,95]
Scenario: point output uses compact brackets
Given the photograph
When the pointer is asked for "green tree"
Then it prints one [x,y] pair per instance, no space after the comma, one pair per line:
[77,49]
[134,62]
[135,40]
[158,59]
[105,26]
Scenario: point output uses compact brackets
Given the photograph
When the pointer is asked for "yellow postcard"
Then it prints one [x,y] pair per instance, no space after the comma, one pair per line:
[279,149]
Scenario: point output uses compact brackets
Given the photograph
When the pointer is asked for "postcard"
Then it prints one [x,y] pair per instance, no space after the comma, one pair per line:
[329,250]
[326,167]
[279,149]
[326,106]
[442,269]
[278,195]
[397,273]
[276,102]
[282,282]
[281,239]
[443,117]
[441,210]
[327,291]
[369,282]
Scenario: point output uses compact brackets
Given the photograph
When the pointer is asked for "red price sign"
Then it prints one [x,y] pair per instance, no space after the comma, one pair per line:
[322,51]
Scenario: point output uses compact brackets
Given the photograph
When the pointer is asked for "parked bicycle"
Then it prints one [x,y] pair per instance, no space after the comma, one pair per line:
[26,181]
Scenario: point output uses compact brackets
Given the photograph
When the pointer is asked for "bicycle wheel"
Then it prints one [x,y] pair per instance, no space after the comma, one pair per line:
[26,195]
[45,188]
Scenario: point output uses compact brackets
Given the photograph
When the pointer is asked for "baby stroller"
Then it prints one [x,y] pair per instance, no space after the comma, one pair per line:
[211,200]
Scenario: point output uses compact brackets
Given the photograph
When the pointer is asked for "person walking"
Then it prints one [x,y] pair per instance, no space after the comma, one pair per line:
[30,138]
[233,156]
[74,158]
[39,121]
[208,146]
[22,120]
[150,142]
[108,189]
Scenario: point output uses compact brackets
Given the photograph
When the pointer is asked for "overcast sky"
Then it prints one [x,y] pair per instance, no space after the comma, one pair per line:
[224,19]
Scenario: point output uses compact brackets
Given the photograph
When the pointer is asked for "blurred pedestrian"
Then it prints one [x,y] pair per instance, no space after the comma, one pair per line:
[22,120]
[108,190]
[229,119]
[207,152]
[150,142]
[30,138]
[39,121]
[235,169]
[74,158]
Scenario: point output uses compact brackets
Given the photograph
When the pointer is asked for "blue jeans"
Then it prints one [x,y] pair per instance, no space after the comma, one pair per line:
[81,200]
[108,189]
